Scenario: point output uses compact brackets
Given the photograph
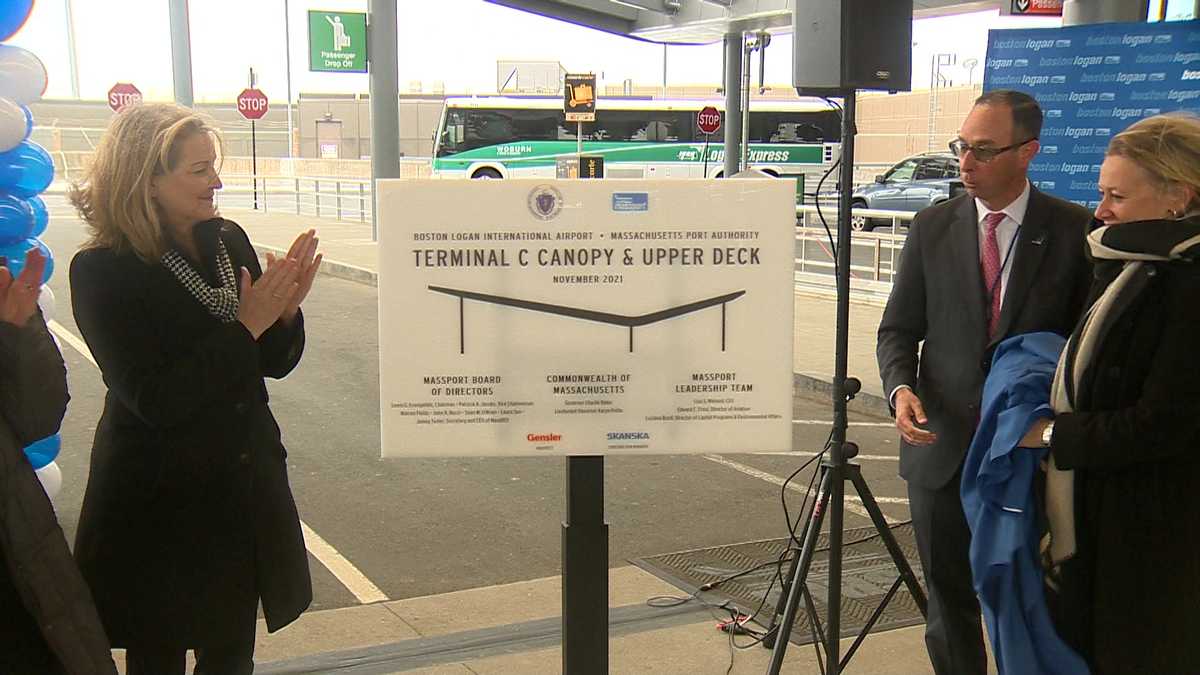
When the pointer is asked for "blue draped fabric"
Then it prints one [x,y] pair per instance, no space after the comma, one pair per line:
[998,498]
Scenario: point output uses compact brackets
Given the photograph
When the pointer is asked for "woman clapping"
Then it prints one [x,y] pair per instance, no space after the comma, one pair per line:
[188,521]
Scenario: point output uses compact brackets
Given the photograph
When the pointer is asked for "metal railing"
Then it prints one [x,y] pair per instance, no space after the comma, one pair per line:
[874,255]
[337,198]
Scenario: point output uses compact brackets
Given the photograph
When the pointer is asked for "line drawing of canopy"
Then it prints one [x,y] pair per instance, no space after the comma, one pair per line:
[629,321]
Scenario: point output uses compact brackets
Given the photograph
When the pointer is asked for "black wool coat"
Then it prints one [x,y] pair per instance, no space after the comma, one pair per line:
[188,519]
[1133,590]
[33,398]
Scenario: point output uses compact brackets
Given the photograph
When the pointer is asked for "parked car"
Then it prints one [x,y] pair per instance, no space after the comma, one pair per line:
[911,185]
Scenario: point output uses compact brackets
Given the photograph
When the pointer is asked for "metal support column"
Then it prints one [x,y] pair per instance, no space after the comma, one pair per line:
[585,569]
[181,52]
[733,102]
[1079,12]
[72,52]
[385,98]
[287,56]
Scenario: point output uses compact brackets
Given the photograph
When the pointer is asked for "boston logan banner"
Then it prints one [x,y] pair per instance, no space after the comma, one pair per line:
[1092,82]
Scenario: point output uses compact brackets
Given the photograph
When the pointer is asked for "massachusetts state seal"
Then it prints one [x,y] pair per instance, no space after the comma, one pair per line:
[545,202]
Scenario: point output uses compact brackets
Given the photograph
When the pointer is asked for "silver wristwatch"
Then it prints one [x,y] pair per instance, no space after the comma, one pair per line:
[1047,434]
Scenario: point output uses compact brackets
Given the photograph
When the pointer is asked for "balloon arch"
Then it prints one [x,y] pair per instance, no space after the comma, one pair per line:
[26,170]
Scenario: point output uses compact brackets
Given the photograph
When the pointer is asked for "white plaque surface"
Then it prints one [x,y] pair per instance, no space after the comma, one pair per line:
[544,317]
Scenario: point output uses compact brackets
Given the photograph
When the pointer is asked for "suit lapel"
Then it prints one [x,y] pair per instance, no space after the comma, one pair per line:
[1032,242]
[965,237]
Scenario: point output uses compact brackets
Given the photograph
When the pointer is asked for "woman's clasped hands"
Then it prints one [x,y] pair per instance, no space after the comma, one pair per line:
[285,284]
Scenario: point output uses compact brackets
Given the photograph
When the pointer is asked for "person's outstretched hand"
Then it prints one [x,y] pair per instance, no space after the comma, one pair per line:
[19,297]
[304,252]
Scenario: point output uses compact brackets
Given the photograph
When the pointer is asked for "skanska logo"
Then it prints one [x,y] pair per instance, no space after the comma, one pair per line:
[628,436]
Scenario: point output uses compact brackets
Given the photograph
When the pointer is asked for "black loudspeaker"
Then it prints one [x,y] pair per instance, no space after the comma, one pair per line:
[851,44]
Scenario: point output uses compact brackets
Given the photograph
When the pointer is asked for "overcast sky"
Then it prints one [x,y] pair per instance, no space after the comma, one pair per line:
[453,42]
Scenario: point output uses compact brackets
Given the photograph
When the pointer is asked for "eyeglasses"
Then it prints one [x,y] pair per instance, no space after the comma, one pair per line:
[985,154]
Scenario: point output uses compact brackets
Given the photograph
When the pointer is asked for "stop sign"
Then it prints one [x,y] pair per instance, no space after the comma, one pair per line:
[123,94]
[709,120]
[252,103]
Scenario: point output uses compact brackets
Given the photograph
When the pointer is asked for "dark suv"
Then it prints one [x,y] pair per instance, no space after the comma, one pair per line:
[911,185]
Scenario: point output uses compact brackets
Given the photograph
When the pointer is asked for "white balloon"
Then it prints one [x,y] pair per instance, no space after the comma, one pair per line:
[22,75]
[47,302]
[51,477]
[14,127]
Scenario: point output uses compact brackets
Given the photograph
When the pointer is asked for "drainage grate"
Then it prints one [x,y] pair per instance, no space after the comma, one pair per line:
[867,574]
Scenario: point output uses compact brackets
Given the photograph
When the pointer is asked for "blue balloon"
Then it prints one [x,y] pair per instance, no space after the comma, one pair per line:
[41,453]
[13,14]
[17,220]
[26,170]
[41,216]
[14,256]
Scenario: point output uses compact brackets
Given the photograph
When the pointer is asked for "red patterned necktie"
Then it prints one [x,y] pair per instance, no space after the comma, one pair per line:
[989,263]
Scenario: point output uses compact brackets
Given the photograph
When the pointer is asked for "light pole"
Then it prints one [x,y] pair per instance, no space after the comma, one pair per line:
[287,51]
[71,55]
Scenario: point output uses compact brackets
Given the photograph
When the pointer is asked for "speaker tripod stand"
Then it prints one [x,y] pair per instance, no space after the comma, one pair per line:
[836,469]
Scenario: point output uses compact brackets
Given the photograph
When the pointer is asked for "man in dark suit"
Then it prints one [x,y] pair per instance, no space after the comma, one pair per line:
[1001,260]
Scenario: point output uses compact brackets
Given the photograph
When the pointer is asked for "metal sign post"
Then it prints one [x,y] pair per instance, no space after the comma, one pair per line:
[708,121]
[253,104]
[584,532]
[579,105]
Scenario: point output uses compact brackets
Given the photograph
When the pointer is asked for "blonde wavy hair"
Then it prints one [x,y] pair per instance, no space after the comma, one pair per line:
[1167,147]
[114,197]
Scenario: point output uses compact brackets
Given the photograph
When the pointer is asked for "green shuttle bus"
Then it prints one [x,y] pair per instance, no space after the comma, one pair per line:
[502,137]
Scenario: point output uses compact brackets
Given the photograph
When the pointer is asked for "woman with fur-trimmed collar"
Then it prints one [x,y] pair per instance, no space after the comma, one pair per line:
[1124,491]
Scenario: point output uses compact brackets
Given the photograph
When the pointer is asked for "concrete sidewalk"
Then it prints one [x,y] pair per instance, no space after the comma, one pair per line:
[509,629]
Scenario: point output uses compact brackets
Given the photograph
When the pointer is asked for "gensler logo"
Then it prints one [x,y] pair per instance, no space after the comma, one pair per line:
[628,436]
[543,438]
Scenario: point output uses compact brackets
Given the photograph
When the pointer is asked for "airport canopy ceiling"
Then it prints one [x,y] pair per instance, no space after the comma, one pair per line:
[700,21]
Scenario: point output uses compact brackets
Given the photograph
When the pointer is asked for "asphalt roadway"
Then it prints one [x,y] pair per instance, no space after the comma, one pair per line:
[415,527]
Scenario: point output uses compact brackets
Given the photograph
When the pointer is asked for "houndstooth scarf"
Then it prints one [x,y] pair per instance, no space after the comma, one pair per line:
[222,301]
